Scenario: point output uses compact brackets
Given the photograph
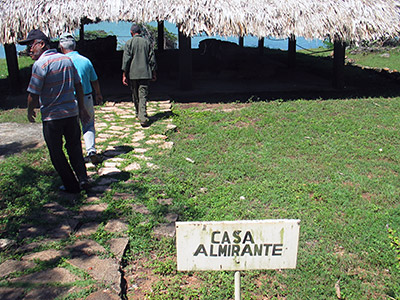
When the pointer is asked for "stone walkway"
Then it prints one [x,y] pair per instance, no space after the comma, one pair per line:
[58,255]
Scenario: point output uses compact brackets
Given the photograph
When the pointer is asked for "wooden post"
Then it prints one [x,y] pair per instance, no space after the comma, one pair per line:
[261,46]
[160,36]
[338,64]
[185,62]
[292,52]
[12,66]
[82,34]
[241,41]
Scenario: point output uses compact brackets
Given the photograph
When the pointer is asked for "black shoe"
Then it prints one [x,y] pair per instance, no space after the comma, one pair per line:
[145,124]
[65,190]
[94,158]
[85,184]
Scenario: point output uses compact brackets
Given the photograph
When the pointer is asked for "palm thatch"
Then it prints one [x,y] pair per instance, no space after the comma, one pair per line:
[350,20]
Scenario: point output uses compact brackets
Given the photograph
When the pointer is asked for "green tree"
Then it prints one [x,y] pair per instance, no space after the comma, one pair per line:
[170,39]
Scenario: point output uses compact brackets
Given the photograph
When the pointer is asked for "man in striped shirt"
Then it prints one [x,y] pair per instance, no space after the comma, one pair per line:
[52,85]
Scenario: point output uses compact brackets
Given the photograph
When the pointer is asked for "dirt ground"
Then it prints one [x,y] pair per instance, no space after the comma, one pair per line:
[15,137]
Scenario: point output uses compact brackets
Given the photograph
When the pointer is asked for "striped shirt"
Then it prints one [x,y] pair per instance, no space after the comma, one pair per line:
[53,79]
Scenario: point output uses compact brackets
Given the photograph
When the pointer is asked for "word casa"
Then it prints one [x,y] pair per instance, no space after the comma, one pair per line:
[224,244]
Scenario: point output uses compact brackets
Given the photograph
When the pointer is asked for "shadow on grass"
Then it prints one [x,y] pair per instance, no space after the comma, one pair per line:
[15,147]
[160,116]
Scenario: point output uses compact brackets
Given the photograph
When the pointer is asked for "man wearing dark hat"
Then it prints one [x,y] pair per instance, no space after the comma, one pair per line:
[53,82]
[138,68]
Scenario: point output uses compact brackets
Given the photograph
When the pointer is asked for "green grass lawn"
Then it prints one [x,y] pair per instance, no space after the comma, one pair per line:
[333,164]
[23,62]
[383,59]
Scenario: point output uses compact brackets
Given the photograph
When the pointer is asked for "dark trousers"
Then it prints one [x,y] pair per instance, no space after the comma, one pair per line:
[53,132]
[140,92]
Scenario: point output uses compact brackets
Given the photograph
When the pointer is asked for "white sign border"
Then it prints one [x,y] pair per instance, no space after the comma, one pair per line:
[186,241]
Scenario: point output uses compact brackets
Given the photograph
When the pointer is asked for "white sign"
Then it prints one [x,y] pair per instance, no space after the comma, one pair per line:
[237,245]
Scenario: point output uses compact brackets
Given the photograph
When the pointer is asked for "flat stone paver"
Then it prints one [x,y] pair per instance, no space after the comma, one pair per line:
[165,201]
[87,229]
[133,167]
[140,208]
[11,266]
[165,230]
[11,293]
[58,210]
[48,276]
[166,145]
[152,166]
[103,295]
[109,171]
[104,270]
[118,246]
[6,243]
[92,211]
[116,226]
[85,247]
[45,255]
[46,293]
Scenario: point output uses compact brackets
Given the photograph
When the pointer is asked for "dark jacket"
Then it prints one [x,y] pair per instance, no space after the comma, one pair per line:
[138,60]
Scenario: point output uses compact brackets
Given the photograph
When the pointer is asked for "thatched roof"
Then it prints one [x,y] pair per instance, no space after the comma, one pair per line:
[351,20]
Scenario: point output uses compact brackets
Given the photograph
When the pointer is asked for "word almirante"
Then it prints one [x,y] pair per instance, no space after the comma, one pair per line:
[222,244]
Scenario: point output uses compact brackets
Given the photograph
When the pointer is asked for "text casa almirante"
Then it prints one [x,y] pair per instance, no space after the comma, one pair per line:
[236,244]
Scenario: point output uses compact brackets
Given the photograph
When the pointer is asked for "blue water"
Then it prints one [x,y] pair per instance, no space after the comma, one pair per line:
[121,30]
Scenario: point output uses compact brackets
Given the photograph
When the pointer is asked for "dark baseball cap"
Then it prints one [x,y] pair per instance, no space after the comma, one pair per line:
[34,34]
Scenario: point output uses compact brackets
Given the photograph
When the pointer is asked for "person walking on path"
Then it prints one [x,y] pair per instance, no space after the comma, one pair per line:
[89,78]
[138,68]
[53,82]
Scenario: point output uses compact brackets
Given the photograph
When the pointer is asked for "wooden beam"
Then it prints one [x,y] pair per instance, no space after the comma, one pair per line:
[185,62]
[338,64]
[12,66]
[160,36]
[261,46]
[82,33]
[241,41]
[292,52]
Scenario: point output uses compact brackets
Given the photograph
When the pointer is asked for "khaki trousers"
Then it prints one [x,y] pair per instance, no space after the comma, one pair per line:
[140,92]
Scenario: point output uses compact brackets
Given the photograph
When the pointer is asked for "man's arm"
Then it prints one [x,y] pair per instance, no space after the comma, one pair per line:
[124,78]
[127,57]
[96,87]
[83,114]
[153,64]
[33,101]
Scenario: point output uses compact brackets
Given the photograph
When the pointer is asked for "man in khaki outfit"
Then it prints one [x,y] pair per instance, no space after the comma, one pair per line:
[138,68]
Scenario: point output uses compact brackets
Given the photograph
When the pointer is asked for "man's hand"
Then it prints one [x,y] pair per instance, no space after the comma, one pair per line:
[84,116]
[33,101]
[99,99]
[99,96]
[154,78]
[124,79]
[31,115]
